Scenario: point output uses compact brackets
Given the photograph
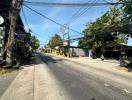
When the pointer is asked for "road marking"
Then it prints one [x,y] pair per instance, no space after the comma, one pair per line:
[105,84]
[126,91]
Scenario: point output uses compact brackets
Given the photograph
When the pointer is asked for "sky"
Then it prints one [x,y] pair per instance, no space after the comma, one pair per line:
[44,29]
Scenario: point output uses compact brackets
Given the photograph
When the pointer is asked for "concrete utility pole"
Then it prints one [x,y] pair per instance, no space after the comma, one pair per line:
[68,41]
[66,27]
[14,12]
[63,44]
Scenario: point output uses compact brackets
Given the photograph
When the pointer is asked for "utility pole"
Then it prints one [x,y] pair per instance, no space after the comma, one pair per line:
[63,40]
[68,40]
[66,27]
[63,44]
[14,12]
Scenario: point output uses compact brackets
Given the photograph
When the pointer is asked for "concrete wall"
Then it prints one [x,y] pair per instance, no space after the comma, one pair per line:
[2,31]
[76,52]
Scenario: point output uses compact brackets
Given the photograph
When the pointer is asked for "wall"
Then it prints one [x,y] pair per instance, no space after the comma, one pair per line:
[2,45]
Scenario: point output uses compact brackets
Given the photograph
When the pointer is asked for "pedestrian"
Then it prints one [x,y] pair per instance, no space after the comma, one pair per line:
[102,57]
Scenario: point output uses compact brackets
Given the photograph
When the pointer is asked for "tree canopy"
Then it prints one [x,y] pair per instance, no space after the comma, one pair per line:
[55,41]
[35,43]
[127,9]
[97,33]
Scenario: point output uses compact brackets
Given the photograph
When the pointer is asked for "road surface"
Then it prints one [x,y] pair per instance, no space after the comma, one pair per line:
[54,78]
[77,82]
[5,81]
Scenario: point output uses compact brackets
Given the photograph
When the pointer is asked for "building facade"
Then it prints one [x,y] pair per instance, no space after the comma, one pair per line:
[2,45]
[22,38]
[4,24]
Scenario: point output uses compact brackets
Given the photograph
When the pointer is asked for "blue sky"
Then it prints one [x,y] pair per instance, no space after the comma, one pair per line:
[44,29]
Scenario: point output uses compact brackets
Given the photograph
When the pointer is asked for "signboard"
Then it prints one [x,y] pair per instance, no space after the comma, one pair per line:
[1,20]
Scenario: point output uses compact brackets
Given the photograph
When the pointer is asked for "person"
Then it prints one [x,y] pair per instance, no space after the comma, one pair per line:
[102,57]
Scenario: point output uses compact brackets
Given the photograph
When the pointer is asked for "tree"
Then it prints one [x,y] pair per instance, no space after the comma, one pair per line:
[15,5]
[35,43]
[127,9]
[55,41]
[98,34]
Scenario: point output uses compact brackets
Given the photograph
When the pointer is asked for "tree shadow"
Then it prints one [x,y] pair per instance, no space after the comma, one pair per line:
[47,59]
[74,85]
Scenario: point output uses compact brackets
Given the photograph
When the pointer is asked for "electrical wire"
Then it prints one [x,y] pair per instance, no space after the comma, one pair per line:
[77,14]
[106,1]
[25,19]
[48,4]
[74,16]
[68,4]
[49,18]
[83,12]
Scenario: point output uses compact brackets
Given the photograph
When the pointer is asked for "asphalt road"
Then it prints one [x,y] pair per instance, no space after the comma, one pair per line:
[74,81]
[5,81]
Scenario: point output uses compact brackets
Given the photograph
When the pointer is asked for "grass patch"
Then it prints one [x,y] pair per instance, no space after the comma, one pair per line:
[6,71]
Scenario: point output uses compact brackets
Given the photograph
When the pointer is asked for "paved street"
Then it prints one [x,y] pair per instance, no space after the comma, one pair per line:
[58,79]
[5,81]
[81,82]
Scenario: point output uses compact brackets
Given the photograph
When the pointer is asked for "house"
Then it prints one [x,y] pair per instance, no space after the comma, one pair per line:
[114,51]
[4,24]
[21,48]
[22,38]
[1,42]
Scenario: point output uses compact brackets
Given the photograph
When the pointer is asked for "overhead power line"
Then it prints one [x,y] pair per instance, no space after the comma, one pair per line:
[76,15]
[82,12]
[47,4]
[26,22]
[106,1]
[49,18]
[24,16]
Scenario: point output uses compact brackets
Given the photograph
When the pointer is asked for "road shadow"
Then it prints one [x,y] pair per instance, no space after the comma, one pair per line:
[73,84]
[48,59]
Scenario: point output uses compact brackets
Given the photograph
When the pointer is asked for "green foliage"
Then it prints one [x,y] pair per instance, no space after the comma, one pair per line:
[97,34]
[35,43]
[55,41]
[121,39]
[127,8]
